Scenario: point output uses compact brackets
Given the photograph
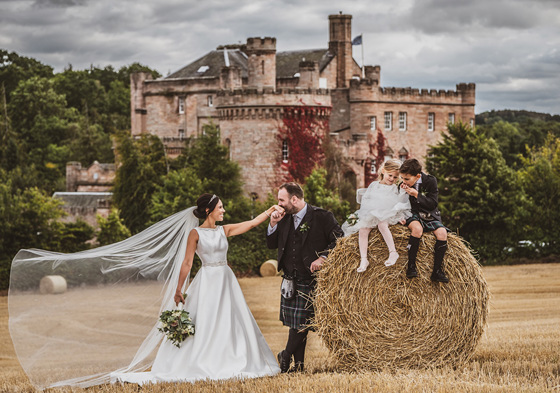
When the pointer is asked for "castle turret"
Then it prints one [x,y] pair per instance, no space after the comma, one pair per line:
[340,45]
[261,62]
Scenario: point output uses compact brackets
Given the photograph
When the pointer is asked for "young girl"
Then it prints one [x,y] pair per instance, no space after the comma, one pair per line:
[381,205]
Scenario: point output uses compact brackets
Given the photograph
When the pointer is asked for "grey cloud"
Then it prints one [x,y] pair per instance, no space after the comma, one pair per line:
[57,3]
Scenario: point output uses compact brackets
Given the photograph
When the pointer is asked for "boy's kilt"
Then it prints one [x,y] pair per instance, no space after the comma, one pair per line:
[298,311]
[428,226]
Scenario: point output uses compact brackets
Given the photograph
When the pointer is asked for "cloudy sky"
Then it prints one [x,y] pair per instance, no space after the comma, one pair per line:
[509,48]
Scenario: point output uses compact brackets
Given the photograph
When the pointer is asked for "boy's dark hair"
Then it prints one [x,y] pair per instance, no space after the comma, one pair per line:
[411,167]
[293,189]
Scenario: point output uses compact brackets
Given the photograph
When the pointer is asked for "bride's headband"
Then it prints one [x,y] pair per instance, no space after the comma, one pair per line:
[213,197]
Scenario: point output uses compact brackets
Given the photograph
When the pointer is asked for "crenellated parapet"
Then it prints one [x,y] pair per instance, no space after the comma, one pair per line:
[368,90]
[246,104]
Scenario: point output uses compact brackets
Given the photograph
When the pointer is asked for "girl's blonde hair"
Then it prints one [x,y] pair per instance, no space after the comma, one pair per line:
[389,165]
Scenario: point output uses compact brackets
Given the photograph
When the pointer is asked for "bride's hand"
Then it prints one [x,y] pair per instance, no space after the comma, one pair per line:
[276,215]
[179,298]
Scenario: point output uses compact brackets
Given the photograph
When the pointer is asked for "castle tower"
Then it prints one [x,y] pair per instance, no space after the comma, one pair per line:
[137,102]
[340,45]
[261,62]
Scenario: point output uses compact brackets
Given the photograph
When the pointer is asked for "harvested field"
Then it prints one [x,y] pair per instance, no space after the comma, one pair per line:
[518,352]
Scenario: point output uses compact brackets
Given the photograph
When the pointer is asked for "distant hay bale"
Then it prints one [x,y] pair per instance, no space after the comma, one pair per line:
[269,268]
[52,285]
[381,319]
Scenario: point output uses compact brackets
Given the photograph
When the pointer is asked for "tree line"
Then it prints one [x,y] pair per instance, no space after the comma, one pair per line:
[499,183]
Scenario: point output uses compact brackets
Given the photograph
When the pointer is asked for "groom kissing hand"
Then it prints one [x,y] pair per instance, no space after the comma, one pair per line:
[303,235]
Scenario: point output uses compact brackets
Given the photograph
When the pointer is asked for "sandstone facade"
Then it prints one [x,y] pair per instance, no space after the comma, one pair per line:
[245,88]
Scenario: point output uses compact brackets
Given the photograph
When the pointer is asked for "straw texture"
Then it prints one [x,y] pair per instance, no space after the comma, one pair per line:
[380,319]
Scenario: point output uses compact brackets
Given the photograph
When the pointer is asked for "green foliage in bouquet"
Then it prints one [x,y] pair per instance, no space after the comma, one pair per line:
[177,325]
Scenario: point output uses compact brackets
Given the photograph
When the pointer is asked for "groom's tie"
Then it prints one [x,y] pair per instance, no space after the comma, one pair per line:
[296,220]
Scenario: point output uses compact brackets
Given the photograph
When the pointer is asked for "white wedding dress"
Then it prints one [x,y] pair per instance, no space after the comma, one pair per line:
[227,342]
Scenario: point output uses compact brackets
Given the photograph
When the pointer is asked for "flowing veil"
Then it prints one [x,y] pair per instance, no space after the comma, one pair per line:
[106,321]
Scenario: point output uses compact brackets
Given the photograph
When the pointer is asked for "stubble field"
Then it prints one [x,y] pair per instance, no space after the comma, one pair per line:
[519,351]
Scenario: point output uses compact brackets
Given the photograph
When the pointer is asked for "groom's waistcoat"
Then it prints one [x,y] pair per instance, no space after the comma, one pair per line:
[292,258]
[316,238]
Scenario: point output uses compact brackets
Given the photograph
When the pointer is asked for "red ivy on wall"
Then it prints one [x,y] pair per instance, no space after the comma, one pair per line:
[377,150]
[303,127]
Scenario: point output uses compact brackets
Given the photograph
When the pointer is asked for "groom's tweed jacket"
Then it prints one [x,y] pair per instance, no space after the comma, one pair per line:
[319,238]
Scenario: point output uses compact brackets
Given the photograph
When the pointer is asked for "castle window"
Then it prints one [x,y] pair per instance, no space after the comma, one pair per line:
[181,105]
[388,121]
[402,121]
[431,121]
[472,123]
[284,151]
[228,145]
[210,101]
[95,176]
[202,69]
[373,123]
[181,134]
[262,66]
[373,166]
[452,118]
[323,83]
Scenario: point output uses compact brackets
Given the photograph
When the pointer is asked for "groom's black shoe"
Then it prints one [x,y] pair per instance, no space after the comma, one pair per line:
[283,362]
[298,368]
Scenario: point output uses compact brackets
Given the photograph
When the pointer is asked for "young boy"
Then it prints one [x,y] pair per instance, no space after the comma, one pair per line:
[423,195]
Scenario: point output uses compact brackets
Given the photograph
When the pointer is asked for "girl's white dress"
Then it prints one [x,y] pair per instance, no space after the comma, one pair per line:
[227,342]
[379,203]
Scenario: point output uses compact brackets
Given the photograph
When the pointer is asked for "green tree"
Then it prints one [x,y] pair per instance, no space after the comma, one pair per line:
[111,229]
[179,191]
[29,220]
[15,68]
[210,161]
[478,194]
[540,178]
[317,193]
[143,166]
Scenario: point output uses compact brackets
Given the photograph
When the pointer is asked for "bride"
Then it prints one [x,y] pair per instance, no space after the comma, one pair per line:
[227,342]
[104,328]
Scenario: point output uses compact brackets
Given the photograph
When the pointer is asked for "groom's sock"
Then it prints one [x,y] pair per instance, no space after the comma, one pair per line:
[299,354]
[292,344]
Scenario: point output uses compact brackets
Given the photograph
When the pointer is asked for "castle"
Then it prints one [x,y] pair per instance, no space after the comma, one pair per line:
[245,89]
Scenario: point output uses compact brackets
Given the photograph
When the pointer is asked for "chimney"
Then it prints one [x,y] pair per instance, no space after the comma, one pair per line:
[340,45]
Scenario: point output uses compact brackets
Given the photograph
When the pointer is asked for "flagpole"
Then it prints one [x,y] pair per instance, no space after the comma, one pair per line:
[363,66]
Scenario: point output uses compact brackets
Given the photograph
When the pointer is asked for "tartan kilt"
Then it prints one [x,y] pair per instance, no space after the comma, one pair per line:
[298,311]
[428,226]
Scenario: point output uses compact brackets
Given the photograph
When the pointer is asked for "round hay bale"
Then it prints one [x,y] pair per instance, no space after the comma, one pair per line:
[52,285]
[269,268]
[381,319]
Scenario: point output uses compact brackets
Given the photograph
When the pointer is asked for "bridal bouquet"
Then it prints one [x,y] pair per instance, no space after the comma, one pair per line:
[176,325]
[352,219]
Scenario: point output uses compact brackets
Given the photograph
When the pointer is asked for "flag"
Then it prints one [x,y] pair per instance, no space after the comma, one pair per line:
[357,40]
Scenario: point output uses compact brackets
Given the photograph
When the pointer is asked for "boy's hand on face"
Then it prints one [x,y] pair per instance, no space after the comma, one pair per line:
[410,190]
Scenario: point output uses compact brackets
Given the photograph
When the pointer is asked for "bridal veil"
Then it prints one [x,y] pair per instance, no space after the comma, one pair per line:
[107,319]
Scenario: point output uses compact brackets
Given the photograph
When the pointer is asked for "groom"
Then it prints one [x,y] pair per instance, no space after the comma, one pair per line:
[303,235]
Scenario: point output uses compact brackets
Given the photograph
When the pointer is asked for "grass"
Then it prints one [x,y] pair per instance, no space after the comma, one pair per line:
[519,351]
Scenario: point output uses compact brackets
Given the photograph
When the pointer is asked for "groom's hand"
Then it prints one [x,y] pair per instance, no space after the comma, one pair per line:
[276,216]
[317,264]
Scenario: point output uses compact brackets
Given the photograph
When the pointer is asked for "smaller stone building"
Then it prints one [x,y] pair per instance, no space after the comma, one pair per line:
[87,191]
[85,205]
[95,178]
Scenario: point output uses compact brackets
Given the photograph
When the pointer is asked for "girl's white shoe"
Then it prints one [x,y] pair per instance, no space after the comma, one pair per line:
[364,263]
[393,256]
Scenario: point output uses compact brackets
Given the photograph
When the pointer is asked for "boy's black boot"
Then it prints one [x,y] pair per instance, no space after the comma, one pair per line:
[413,245]
[439,252]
